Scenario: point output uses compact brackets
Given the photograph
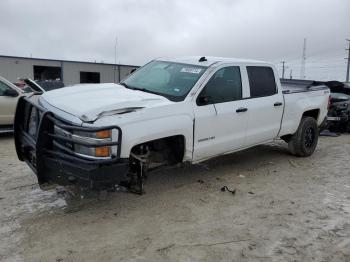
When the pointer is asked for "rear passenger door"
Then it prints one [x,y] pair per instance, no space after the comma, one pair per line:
[265,105]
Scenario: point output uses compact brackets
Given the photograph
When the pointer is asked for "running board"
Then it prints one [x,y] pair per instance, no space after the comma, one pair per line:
[4,130]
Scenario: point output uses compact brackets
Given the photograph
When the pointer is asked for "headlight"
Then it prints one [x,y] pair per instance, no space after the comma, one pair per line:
[101,151]
[93,138]
[103,134]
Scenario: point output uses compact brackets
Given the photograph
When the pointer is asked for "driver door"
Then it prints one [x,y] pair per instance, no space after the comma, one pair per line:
[220,115]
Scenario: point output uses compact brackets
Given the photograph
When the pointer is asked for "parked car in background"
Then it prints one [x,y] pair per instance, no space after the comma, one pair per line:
[9,95]
[41,85]
[23,86]
[49,85]
[338,119]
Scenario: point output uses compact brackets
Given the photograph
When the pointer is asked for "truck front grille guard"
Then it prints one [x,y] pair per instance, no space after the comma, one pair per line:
[31,148]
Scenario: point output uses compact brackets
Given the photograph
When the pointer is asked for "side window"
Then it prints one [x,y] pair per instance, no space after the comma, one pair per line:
[3,87]
[224,86]
[262,81]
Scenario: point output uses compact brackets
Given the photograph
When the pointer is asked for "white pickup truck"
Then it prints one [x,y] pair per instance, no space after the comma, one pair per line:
[169,111]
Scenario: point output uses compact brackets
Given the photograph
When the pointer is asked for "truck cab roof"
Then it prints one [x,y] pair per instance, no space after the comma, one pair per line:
[209,60]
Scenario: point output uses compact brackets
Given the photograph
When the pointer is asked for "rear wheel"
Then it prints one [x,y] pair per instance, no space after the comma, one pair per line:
[304,141]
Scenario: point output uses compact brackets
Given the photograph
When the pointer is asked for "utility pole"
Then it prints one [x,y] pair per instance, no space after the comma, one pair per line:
[115,59]
[348,67]
[303,59]
[283,62]
[291,74]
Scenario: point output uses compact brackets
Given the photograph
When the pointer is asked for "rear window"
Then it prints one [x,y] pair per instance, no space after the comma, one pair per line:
[261,80]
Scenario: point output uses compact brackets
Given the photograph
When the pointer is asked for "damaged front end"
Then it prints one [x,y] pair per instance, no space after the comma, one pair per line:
[65,153]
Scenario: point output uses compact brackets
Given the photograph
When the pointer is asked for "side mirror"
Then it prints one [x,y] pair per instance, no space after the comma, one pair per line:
[10,92]
[204,100]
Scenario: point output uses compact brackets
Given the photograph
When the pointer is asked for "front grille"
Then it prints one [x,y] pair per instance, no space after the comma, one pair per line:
[39,132]
[61,144]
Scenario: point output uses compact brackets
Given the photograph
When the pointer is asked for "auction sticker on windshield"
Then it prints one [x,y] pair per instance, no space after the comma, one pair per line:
[191,70]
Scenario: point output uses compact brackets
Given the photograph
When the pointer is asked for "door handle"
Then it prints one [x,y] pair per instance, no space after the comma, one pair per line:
[277,104]
[241,109]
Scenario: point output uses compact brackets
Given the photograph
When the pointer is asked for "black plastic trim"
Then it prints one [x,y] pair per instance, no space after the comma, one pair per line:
[41,151]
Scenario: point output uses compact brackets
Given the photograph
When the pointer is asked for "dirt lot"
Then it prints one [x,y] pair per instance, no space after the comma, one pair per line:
[285,209]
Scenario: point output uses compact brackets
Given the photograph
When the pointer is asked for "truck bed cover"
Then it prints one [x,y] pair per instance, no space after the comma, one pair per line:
[290,86]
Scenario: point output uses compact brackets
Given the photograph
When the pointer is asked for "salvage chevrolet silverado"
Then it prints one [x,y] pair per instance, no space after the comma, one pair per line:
[167,112]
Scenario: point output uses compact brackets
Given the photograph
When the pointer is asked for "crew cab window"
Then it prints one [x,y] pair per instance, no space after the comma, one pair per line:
[261,81]
[3,88]
[224,86]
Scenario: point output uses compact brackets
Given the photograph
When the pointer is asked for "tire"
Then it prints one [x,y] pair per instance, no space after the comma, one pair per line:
[348,127]
[303,143]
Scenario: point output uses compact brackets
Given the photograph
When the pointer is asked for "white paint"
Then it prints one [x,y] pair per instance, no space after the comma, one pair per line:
[218,130]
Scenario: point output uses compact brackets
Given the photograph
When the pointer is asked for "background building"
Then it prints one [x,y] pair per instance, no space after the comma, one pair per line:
[70,72]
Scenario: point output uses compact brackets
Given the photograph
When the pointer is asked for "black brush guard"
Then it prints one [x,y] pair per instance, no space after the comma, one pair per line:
[55,162]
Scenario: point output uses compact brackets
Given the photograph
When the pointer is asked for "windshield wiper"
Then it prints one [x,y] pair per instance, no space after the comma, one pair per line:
[125,85]
[147,91]
[142,89]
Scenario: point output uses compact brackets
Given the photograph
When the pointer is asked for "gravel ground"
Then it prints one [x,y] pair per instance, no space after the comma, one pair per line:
[285,209]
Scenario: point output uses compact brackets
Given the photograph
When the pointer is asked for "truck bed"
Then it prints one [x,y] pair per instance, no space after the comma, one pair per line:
[290,86]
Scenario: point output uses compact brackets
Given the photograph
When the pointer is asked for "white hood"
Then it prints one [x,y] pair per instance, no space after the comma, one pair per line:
[91,101]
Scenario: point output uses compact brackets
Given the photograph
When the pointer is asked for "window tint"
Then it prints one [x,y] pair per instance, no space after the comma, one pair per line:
[3,87]
[224,86]
[261,81]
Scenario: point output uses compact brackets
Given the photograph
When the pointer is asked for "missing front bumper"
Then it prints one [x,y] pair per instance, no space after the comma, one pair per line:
[62,167]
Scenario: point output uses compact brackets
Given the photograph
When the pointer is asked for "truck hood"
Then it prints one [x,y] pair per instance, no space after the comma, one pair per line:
[89,102]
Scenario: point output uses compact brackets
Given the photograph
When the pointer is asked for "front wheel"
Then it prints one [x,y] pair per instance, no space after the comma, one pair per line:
[304,141]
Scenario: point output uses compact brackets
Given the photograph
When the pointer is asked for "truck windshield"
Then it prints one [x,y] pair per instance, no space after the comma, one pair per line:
[168,79]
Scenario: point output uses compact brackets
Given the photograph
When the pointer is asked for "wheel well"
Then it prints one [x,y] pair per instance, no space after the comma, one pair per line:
[312,113]
[286,138]
[167,149]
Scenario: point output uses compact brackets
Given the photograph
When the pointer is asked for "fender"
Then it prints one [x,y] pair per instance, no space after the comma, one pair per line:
[159,128]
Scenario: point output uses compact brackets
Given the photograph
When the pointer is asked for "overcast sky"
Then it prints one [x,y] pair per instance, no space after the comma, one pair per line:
[270,30]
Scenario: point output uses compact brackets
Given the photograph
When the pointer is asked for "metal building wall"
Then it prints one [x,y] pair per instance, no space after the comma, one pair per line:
[71,72]
[14,67]
[125,71]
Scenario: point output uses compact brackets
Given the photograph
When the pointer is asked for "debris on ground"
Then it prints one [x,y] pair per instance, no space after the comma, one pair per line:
[293,164]
[200,181]
[165,248]
[329,133]
[225,188]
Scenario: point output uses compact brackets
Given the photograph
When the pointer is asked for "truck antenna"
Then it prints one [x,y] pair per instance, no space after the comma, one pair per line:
[202,59]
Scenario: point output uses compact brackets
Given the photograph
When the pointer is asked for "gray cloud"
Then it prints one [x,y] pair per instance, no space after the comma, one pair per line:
[261,29]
